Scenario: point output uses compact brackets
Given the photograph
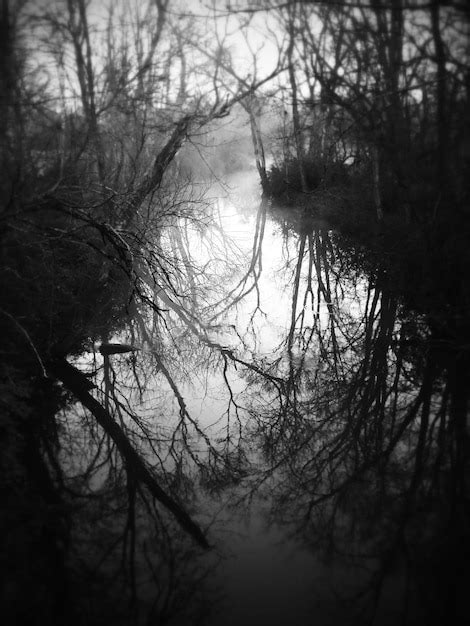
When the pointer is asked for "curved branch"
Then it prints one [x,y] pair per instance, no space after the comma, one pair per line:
[78,384]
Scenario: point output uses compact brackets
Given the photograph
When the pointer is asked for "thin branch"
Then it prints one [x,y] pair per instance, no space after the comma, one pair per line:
[78,384]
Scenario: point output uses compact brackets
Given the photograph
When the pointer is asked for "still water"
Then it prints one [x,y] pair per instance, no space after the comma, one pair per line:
[290,380]
[284,314]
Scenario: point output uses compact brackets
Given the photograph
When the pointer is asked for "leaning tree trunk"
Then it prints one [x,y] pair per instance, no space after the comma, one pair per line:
[79,385]
[258,148]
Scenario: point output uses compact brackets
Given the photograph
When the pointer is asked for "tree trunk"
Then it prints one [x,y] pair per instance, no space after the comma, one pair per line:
[376,183]
[78,384]
[295,105]
[258,148]
[442,147]
[79,31]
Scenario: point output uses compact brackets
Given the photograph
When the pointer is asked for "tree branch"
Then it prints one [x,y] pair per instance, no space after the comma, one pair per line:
[78,384]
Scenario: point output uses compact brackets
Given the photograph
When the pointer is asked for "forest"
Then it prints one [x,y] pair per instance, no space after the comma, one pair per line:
[260,208]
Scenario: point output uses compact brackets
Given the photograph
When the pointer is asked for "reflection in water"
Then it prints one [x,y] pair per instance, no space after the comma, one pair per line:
[360,411]
[368,441]
[275,366]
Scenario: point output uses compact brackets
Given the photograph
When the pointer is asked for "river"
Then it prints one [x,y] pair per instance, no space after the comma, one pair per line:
[295,385]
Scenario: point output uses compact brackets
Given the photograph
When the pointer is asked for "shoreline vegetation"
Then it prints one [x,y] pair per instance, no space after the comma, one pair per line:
[116,120]
[428,263]
[425,246]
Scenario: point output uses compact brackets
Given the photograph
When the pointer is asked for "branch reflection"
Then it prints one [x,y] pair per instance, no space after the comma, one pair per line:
[368,444]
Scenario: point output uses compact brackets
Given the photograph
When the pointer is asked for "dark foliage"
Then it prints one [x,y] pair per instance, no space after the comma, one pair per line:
[61,287]
[59,293]
[284,181]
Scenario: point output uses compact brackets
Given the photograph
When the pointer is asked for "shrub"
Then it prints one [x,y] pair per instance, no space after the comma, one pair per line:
[286,178]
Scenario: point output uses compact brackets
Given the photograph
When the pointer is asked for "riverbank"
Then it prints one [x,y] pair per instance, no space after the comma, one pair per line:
[428,260]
